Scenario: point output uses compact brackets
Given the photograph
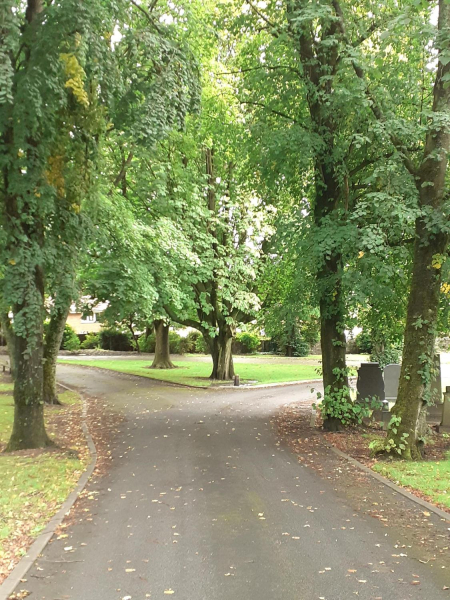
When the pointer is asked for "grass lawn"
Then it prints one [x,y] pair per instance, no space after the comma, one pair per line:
[197,373]
[34,484]
[428,477]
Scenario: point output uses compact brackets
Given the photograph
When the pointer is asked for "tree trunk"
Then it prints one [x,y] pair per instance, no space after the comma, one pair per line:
[220,347]
[28,428]
[162,349]
[430,252]
[332,342]
[8,334]
[418,351]
[52,345]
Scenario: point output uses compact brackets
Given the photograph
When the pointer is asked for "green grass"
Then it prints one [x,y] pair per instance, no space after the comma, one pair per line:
[33,485]
[430,478]
[197,373]
[6,387]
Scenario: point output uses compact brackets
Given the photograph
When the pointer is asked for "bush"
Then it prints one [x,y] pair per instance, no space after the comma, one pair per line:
[388,356]
[147,344]
[301,348]
[191,341]
[200,345]
[115,339]
[364,342]
[70,340]
[92,341]
[175,344]
[250,342]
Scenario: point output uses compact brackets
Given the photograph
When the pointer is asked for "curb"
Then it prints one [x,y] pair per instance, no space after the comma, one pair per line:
[20,570]
[387,482]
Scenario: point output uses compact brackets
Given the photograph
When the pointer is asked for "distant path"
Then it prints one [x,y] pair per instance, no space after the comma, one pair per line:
[200,500]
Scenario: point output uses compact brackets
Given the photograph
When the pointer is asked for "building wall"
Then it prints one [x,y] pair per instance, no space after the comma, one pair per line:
[74,320]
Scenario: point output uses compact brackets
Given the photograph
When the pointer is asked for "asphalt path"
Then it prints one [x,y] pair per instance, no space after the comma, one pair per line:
[202,502]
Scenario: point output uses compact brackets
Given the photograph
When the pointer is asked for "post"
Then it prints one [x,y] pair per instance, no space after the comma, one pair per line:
[237,381]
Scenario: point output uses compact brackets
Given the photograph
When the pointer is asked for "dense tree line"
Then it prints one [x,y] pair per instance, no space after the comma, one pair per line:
[215,165]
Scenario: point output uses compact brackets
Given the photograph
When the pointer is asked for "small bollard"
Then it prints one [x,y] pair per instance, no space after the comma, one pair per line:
[4,368]
[385,415]
[237,381]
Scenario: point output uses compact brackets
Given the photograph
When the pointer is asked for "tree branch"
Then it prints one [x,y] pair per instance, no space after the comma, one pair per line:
[150,19]
[275,112]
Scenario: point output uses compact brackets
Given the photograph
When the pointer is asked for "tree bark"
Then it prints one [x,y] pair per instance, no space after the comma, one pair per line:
[52,345]
[8,333]
[418,350]
[430,252]
[222,356]
[28,428]
[162,349]
[332,338]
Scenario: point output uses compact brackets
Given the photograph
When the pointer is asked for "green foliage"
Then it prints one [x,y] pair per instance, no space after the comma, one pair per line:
[148,344]
[176,343]
[115,339]
[70,340]
[200,345]
[387,356]
[249,342]
[191,341]
[91,341]
[364,342]
[336,403]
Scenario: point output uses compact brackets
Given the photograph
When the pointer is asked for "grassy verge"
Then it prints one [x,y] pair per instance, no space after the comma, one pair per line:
[430,478]
[34,484]
[197,373]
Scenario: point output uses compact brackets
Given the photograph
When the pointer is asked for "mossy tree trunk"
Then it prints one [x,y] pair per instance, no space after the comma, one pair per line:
[332,337]
[162,348]
[52,345]
[430,252]
[418,350]
[8,333]
[28,427]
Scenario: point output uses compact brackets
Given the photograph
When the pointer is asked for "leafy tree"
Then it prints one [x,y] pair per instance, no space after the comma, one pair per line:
[62,79]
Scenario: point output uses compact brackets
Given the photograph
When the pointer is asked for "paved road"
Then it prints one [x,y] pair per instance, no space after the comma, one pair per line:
[202,503]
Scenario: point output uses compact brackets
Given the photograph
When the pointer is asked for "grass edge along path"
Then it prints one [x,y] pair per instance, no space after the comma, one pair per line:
[34,484]
[197,373]
[429,478]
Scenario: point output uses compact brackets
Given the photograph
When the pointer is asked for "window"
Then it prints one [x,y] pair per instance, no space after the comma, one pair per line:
[92,318]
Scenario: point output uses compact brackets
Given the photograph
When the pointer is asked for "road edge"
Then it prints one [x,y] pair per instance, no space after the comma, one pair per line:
[390,484]
[21,569]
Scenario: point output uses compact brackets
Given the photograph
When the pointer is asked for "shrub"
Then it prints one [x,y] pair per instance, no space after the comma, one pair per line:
[191,341]
[92,341]
[301,348]
[364,342]
[147,344]
[115,339]
[250,342]
[175,345]
[70,340]
[387,356]
[200,345]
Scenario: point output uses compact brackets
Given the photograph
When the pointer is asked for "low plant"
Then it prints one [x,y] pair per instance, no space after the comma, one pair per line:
[250,342]
[91,341]
[70,340]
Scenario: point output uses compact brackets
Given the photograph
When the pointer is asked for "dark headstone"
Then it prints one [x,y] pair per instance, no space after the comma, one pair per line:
[370,382]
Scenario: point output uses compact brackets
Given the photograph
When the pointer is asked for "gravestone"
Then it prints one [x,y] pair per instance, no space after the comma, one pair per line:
[436,383]
[370,382]
[391,378]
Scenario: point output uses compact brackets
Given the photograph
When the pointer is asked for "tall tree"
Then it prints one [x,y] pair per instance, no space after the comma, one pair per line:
[62,58]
